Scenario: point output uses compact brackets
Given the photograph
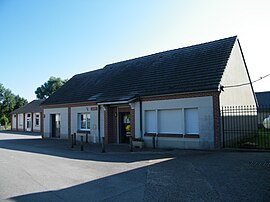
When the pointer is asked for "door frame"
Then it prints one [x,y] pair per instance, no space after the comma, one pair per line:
[120,128]
[28,119]
[120,111]
[55,131]
[111,122]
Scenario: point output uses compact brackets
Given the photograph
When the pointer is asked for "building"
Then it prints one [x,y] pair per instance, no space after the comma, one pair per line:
[28,118]
[263,99]
[174,96]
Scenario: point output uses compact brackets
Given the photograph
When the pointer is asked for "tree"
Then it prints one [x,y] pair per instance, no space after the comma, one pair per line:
[19,102]
[8,103]
[49,87]
[2,90]
[4,121]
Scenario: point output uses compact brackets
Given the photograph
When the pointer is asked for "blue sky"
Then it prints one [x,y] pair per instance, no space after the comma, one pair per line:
[43,38]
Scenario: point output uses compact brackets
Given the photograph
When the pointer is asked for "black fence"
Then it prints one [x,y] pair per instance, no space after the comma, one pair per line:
[245,127]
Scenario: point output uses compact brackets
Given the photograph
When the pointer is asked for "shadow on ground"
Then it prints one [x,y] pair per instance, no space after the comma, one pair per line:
[62,148]
[199,176]
[120,187]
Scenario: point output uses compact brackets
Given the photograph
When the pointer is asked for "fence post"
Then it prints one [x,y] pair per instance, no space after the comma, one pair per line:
[103,145]
[81,143]
[86,137]
[72,141]
[74,138]
[154,141]
[222,122]
[130,143]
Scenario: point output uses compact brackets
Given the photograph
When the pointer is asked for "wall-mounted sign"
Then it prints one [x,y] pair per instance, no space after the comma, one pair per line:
[93,108]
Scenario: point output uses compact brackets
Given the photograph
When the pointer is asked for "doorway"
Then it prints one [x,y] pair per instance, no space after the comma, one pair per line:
[28,122]
[124,127]
[55,125]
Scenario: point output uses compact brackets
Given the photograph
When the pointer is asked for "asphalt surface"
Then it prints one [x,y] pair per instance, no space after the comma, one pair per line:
[32,169]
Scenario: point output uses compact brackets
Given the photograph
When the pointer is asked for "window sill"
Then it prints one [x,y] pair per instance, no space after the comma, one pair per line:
[83,131]
[191,136]
[163,135]
[172,135]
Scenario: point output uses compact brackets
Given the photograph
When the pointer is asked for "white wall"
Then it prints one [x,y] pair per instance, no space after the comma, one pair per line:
[137,120]
[235,73]
[14,121]
[36,127]
[20,121]
[63,121]
[205,119]
[30,121]
[101,115]
[93,110]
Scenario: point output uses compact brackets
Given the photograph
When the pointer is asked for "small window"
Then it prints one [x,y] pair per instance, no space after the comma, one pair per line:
[192,121]
[150,121]
[28,115]
[169,121]
[84,121]
[20,120]
[14,115]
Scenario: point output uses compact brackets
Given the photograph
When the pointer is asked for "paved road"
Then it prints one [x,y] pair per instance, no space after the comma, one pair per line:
[32,169]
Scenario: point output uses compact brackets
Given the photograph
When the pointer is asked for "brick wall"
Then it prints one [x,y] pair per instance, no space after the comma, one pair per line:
[132,122]
[216,110]
[179,96]
[106,120]
[112,125]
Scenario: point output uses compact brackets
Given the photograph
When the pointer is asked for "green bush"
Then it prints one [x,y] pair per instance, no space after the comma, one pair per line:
[4,121]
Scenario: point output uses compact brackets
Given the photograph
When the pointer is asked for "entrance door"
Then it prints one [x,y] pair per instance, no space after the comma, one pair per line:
[28,122]
[55,123]
[124,127]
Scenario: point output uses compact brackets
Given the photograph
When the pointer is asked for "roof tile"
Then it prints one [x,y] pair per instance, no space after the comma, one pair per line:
[189,69]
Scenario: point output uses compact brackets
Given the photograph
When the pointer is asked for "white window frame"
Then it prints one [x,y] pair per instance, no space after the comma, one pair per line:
[182,121]
[178,130]
[87,121]
[196,132]
[155,121]
[20,119]
[37,117]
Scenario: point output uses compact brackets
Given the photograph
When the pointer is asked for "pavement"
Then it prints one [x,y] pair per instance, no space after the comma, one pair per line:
[34,169]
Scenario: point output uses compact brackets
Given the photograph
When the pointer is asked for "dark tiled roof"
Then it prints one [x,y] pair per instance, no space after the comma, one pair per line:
[33,106]
[263,98]
[190,69]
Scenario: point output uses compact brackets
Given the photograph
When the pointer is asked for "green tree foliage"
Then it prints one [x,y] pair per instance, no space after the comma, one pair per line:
[4,121]
[8,103]
[49,87]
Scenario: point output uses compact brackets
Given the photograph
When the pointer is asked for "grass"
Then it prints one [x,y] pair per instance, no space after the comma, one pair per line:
[261,140]
[3,127]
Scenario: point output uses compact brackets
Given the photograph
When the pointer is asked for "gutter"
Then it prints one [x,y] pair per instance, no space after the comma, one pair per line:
[116,102]
[141,133]
[99,138]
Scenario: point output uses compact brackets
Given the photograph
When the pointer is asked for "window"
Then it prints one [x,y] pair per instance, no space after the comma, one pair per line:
[37,119]
[20,119]
[172,121]
[14,115]
[169,121]
[150,121]
[191,121]
[84,121]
